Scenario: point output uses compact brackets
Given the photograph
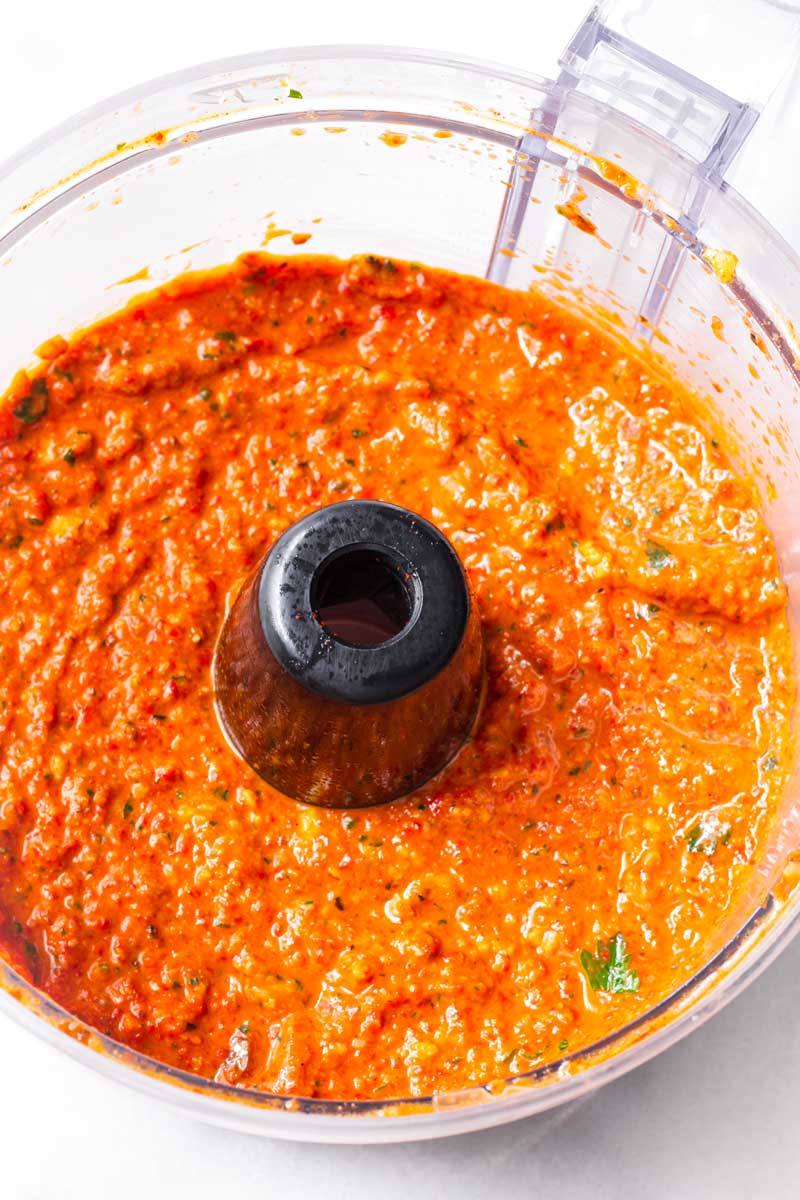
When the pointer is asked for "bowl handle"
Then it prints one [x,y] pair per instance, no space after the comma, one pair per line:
[696,74]
[693,75]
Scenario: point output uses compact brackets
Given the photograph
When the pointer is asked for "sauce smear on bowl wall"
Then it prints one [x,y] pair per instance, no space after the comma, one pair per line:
[573,865]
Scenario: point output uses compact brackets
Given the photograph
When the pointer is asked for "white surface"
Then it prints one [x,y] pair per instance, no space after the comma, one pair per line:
[715,1117]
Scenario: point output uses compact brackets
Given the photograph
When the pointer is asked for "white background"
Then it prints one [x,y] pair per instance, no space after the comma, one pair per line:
[718,1115]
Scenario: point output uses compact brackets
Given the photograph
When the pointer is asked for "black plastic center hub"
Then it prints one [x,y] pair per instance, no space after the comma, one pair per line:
[363,602]
[349,668]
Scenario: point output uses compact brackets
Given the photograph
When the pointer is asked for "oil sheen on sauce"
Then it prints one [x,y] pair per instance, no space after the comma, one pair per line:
[573,866]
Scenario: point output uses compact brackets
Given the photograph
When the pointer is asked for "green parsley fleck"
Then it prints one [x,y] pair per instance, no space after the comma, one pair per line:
[657,556]
[33,407]
[706,835]
[385,264]
[608,970]
[645,611]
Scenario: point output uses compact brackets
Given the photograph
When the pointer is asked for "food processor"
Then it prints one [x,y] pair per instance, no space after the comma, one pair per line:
[605,188]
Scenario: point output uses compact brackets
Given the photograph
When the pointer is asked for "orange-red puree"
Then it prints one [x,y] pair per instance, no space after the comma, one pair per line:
[627,767]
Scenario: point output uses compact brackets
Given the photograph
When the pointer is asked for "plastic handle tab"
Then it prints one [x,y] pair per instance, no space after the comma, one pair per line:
[699,75]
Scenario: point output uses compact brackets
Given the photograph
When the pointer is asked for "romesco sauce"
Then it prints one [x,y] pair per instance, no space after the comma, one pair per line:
[567,872]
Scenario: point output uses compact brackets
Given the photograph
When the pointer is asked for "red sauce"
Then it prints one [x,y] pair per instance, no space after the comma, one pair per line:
[619,788]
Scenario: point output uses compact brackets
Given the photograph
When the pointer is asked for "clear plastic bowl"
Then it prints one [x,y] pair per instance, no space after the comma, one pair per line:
[460,165]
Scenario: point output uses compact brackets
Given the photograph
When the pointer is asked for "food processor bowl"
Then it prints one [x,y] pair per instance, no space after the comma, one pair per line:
[605,188]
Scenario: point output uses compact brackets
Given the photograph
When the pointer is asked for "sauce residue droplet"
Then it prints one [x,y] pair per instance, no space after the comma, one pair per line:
[627,183]
[722,262]
[144,273]
[273,233]
[573,214]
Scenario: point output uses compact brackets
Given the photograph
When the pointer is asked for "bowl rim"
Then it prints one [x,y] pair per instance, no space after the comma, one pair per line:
[314,52]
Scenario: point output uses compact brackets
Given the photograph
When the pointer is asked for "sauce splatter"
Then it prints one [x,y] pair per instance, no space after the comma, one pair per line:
[722,262]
